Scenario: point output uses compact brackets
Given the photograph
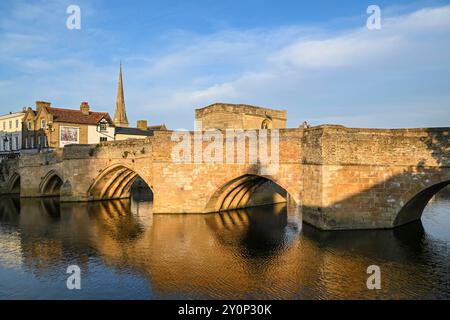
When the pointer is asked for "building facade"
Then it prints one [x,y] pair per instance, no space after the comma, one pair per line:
[11,132]
[49,127]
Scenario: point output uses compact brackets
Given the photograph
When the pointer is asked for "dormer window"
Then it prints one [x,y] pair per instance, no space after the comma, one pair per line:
[43,124]
[103,126]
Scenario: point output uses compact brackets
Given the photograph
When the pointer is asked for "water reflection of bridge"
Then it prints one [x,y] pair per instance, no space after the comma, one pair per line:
[239,254]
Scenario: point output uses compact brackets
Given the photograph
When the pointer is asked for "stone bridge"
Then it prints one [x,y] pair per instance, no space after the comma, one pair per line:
[340,178]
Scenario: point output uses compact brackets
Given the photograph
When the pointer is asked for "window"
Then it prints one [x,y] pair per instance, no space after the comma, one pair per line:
[29,125]
[43,141]
[4,125]
[10,124]
[32,143]
[103,126]
[16,138]
[26,142]
[17,123]
[43,123]
[103,139]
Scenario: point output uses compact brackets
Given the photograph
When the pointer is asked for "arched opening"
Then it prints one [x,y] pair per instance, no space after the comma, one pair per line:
[14,184]
[413,209]
[266,124]
[51,185]
[140,191]
[247,191]
[120,182]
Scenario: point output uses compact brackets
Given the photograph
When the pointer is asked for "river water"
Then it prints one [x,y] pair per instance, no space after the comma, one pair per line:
[126,252]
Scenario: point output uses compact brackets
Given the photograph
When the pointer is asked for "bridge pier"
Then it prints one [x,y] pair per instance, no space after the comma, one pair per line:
[373,197]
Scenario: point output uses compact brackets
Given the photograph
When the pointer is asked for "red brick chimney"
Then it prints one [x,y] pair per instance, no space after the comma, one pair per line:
[84,107]
[41,104]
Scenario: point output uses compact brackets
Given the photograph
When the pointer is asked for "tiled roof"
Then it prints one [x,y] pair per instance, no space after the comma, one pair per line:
[158,127]
[77,116]
[134,131]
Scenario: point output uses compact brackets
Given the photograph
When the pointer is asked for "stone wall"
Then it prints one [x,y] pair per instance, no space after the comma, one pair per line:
[34,168]
[188,187]
[229,116]
[342,178]
[8,168]
[367,176]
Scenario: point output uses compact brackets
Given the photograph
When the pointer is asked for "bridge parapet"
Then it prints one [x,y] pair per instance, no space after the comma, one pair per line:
[404,147]
[165,144]
[41,158]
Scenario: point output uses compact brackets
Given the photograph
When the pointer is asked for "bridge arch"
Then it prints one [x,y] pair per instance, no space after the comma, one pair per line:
[247,191]
[416,203]
[51,184]
[14,183]
[117,182]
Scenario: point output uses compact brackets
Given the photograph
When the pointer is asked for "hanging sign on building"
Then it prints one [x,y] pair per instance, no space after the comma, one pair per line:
[69,135]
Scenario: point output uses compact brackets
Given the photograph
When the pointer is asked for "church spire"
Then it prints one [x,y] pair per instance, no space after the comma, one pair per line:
[120,115]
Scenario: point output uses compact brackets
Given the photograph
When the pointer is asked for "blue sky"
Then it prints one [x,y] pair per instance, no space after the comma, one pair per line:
[315,59]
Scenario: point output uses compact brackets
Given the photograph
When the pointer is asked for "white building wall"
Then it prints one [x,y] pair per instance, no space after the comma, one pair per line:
[11,131]
[94,135]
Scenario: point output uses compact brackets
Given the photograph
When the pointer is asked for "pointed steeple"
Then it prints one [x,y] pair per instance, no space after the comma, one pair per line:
[120,115]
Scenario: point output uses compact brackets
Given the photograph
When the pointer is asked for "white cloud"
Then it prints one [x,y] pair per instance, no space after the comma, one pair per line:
[337,52]
[316,74]
[374,60]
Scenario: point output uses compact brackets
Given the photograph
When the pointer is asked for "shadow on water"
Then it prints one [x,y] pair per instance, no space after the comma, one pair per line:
[9,209]
[393,244]
[52,207]
[114,218]
[267,231]
[256,232]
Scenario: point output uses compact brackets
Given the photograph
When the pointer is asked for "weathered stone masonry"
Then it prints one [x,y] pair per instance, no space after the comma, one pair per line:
[341,178]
